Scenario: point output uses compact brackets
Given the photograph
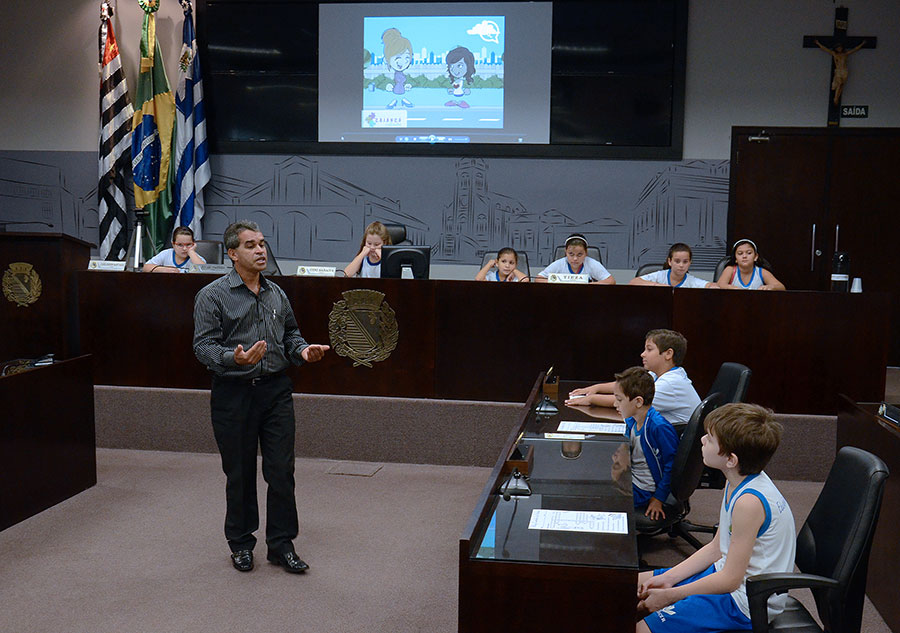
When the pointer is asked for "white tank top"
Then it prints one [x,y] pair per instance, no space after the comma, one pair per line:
[775,544]
[370,270]
[754,283]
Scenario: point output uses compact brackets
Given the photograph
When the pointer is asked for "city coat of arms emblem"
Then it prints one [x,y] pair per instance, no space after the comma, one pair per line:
[363,327]
[21,284]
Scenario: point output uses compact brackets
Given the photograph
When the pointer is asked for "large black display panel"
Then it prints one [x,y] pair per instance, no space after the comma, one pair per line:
[615,86]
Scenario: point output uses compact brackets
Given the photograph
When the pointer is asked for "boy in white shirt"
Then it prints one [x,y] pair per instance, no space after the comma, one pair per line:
[675,398]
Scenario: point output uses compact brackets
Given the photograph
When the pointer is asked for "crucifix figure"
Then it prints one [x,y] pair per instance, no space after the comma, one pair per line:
[840,46]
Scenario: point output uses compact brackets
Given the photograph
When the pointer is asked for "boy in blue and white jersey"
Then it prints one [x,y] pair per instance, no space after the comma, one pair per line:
[652,441]
[707,591]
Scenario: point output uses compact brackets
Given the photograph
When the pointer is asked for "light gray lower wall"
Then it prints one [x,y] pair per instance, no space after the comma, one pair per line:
[404,430]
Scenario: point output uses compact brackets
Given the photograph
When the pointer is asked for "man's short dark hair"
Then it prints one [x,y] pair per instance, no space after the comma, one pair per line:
[637,381]
[231,238]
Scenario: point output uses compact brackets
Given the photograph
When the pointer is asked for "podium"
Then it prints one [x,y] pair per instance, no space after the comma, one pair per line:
[38,305]
[46,438]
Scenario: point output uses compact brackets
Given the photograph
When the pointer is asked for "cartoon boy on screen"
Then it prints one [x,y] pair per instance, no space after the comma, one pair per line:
[460,68]
[398,57]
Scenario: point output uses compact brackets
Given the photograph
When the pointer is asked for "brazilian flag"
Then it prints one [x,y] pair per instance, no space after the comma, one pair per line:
[153,129]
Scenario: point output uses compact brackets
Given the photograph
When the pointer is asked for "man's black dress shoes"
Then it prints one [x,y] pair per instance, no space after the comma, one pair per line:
[242,560]
[289,560]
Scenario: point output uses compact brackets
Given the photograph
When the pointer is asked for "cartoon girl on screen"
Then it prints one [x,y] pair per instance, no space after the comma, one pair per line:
[398,56]
[460,67]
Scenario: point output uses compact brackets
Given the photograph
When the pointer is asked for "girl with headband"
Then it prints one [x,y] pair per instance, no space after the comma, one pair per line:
[743,273]
[577,262]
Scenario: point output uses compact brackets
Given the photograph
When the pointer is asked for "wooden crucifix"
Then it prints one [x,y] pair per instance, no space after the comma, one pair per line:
[840,46]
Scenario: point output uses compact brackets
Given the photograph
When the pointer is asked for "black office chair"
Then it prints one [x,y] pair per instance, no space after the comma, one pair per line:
[686,469]
[646,269]
[272,269]
[592,251]
[213,251]
[720,267]
[732,382]
[397,233]
[832,552]
[522,264]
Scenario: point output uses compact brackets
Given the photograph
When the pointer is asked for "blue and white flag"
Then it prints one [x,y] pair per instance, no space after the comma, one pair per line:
[191,148]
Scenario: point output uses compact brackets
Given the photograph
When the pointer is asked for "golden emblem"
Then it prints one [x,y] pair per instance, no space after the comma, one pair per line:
[21,284]
[363,327]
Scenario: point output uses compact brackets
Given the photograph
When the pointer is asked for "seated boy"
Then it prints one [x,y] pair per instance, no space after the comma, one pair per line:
[652,441]
[663,354]
[707,592]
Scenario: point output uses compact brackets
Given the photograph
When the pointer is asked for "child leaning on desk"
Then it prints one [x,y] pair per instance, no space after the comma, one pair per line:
[663,354]
[503,268]
[367,262]
[707,591]
[651,439]
[577,262]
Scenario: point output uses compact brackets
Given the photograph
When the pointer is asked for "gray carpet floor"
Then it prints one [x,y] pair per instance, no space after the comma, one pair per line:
[143,551]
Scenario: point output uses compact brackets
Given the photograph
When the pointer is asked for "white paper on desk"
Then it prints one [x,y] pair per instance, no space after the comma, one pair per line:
[577,521]
[564,436]
[613,428]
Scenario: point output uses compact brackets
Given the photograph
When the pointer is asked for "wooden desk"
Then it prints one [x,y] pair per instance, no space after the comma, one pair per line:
[512,578]
[46,438]
[49,324]
[465,340]
[859,425]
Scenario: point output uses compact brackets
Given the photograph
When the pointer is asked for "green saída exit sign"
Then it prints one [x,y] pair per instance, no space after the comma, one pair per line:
[855,112]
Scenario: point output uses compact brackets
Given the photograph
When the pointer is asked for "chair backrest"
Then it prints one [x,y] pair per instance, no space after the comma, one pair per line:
[720,267]
[732,382]
[837,536]
[725,261]
[522,262]
[646,269]
[688,463]
[397,233]
[271,263]
[592,251]
[213,251]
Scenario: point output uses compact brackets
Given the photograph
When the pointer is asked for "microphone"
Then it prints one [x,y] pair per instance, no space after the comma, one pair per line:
[516,485]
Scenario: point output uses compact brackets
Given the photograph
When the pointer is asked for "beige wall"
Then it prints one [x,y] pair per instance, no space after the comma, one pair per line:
[746,66]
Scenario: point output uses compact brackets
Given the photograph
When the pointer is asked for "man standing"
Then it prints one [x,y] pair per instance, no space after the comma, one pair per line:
[246,335]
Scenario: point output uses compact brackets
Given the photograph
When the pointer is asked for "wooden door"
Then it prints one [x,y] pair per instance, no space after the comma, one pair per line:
[777,198]
[865,213]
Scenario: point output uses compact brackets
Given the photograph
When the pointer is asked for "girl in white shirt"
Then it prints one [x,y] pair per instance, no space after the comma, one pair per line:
[503,268]
[577,262]
[675,273]
[744,274]
[368,262]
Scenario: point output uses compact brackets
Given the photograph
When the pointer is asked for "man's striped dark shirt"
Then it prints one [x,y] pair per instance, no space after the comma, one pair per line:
[228,314]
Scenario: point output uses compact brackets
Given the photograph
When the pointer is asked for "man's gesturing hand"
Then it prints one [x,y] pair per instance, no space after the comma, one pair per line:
[314,352]
[252,355]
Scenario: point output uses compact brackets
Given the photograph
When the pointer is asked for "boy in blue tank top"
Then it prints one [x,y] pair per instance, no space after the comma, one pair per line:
[707,591]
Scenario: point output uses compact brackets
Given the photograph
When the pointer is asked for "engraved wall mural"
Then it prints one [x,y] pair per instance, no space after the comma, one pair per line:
[316,208]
